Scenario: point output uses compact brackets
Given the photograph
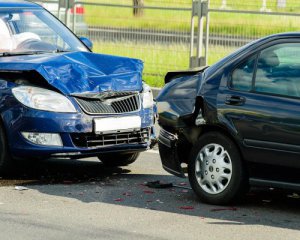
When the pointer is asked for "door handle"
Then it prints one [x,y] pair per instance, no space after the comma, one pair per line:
[235,100]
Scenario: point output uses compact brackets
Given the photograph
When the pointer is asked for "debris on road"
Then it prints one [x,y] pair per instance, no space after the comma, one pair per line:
[67,182]
[158,184]
[148,192]
[187,208]
[128,194]
[21,188]
[182,184]
[223,209]
[119,200]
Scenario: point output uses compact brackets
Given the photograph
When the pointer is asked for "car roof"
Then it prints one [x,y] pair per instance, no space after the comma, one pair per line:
[282,35]
[18,4]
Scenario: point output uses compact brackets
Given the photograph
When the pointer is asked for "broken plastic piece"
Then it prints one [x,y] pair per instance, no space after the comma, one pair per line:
[187,207]
[158,184]
[128,194]
[181,186]
[148,192]
[223,209]
[20,188]
[67,182]
[119,200]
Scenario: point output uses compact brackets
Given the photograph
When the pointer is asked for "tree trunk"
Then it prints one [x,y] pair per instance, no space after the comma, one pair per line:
[138,11]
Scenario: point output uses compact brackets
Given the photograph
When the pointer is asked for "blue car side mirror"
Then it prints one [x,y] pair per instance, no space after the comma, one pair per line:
[87,42]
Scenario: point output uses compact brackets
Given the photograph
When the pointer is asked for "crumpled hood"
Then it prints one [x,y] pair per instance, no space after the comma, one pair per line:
[81,72]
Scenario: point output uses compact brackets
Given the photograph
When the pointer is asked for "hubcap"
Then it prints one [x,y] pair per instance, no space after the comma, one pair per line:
[213,168]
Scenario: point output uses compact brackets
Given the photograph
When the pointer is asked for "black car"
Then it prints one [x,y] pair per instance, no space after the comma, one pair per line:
[235,123]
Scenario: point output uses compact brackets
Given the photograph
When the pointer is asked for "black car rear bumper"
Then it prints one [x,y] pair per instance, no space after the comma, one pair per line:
[167,143]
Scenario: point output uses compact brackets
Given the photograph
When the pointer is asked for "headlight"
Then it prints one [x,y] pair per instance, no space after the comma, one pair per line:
[43,99]
[147,97]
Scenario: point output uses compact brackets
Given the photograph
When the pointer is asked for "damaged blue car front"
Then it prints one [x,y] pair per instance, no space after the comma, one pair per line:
[58,99]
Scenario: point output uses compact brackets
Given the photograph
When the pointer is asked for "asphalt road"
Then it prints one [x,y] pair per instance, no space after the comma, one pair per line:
[70,199]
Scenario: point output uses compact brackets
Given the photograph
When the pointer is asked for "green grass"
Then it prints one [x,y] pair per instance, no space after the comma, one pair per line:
[220,23]
[158,59]
[123,18]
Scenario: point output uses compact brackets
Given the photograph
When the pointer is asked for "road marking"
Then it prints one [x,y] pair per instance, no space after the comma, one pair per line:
[153,151]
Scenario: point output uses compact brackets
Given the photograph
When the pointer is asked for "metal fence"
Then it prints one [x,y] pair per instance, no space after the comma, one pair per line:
[163,36]
[222,29]
[230,29]
[160,36]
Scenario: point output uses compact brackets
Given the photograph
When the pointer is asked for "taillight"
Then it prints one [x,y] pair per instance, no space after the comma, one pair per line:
[79,10]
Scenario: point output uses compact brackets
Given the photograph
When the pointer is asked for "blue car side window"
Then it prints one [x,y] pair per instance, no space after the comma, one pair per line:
[242,76]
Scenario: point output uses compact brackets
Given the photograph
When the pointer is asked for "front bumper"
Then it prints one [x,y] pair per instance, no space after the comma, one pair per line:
[76,131]
[167,143]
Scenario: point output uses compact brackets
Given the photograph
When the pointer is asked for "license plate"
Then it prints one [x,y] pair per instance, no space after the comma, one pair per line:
[117,123]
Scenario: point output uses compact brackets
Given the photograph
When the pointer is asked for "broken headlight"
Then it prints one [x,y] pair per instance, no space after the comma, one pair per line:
[147,97]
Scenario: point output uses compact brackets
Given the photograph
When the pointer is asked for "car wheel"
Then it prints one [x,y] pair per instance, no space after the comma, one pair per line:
[118,159]
[216,172]
[6,162]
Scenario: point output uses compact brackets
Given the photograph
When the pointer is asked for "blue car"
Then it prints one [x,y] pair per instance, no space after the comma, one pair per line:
[58,99]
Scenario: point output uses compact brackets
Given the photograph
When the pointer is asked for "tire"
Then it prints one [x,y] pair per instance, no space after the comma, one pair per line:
[118,159]
[6,162]
[216,172]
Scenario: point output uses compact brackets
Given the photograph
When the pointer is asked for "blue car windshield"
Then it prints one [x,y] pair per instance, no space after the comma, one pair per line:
[35,30]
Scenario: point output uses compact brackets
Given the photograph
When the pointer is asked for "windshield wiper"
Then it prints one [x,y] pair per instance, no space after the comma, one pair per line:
[8,54]
[60,51]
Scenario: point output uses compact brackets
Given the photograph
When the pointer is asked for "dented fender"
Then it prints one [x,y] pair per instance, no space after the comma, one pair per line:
[177,102]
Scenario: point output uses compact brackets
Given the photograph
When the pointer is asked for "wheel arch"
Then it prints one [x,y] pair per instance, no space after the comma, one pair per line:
[215,128]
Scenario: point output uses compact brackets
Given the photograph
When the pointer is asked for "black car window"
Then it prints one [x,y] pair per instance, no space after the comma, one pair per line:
[278,70]
[241,78]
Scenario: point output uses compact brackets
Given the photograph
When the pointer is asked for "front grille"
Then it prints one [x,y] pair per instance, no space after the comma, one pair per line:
[91,140]
[110,105]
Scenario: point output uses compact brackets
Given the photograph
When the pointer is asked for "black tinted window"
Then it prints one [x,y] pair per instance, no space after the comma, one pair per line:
[278,70]
[242,76]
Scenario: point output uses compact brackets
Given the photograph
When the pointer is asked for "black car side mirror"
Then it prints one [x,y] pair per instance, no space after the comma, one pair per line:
[87,42]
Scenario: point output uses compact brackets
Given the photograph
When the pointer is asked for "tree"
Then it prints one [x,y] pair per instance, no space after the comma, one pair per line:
[137,10]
